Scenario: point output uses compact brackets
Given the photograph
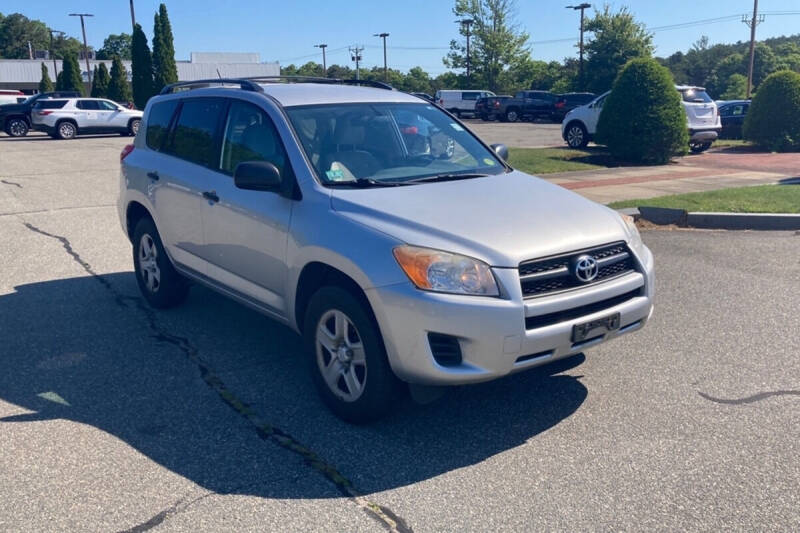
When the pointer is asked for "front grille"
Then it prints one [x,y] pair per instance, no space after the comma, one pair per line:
[533,322]
[544,276]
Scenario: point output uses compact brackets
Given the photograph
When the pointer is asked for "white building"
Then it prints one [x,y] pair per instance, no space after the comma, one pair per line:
[25,74]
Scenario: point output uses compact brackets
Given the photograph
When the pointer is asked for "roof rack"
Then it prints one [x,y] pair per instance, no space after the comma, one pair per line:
[249,84]
[316,79]
[243,83]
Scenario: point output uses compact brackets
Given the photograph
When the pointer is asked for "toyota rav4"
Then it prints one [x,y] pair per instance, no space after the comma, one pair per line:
[375,224]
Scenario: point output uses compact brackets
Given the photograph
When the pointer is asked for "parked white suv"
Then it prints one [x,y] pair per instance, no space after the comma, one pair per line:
[580,125]
[458,101]
[67,118]
[398,244]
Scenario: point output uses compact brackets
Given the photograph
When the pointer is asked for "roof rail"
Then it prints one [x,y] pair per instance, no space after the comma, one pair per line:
[244,83]
[315,79]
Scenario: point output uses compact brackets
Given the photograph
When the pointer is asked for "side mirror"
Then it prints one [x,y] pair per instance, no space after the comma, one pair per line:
[257,176]
[501,150]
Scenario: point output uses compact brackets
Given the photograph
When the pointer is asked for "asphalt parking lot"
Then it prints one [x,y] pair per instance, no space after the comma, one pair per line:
[115,417]
[538,134]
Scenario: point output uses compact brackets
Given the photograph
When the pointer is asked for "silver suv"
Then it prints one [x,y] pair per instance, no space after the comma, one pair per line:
[400,246]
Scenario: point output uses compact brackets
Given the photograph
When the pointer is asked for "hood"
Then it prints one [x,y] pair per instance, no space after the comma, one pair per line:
[502,220]
[12,108]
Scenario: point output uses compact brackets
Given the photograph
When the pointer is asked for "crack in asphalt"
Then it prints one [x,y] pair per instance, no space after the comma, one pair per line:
[14,183]
[266,431]
[750,399]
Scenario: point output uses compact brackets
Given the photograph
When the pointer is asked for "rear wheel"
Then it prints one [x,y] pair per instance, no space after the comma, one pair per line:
[576,135]
[699,147]
[347,357]
[66,130]
[17,127]
[159,282]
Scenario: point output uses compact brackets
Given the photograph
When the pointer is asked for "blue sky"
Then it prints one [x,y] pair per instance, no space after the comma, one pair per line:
[420,30]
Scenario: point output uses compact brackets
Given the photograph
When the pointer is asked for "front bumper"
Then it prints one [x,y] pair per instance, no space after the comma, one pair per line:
[492,332]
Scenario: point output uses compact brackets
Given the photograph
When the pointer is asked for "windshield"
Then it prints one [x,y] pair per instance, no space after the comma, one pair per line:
[387,142]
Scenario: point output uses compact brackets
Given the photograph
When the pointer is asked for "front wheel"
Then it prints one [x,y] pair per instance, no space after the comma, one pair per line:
[347,357]
[17,127]
[159,282]
[512,115]
[577,136]
[66,130]
[699,147]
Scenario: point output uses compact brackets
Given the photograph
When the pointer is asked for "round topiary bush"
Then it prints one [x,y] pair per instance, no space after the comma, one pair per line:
[773,120]
[642,120]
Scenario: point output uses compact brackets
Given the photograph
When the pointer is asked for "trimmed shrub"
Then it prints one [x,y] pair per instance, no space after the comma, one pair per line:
[642,120]
[773,120]
[45,84]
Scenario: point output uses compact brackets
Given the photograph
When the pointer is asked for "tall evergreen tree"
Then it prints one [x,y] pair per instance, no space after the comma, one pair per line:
[165,70]
[142,67]
[119,89]
[46,84]
[60,81]
[101,82]
[72,80]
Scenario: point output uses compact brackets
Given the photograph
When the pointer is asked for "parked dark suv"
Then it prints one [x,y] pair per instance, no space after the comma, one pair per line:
[568,101]
[15,119]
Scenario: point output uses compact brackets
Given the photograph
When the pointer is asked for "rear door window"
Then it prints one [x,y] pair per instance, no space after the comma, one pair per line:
[195,134]
[158,123]
[50,104]
[87,105]
[469,96]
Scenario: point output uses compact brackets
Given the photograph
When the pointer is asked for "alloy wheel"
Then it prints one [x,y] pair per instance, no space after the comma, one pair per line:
[340,356]
[148,263]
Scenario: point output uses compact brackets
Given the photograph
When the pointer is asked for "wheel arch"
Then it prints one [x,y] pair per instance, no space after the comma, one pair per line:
[133,214]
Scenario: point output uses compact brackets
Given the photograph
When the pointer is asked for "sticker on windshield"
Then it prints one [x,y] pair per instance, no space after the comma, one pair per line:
[456,127]
[335,175]
[488,161]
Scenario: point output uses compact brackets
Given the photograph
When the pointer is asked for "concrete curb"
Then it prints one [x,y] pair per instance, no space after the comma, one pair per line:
[729,221]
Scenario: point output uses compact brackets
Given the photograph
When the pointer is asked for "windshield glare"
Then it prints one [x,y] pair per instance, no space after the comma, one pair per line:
[696,96]
[387,142]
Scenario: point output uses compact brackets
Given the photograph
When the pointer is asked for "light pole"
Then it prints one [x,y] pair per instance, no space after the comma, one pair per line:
[324,63]
[466,24]
[385,69]
[85,46]
[52,52]
[133,17]
[582,7]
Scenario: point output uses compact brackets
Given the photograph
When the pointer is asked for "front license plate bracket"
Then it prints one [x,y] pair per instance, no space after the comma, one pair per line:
[600,326]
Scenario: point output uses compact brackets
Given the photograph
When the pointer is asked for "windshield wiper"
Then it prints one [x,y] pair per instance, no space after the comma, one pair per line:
[447,177]
[365,183]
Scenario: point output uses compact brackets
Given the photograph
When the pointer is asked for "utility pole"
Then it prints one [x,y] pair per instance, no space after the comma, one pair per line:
[85,46]
[133,17]
[30,50]
[324,63]
[385,69]
[52,52]
[753,22]
[465,25]
[355,55]
[582,7]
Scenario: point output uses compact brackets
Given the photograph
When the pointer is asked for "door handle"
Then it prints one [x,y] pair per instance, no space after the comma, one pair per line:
[153,176]
[211,196]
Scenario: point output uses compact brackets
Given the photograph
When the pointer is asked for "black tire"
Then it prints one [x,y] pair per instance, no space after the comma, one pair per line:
[457,113]
[171,288]
[699,147]
[484,117]
[380,387]
[576,135]
[66,130]
[17,127]
[133,126]
[512,115]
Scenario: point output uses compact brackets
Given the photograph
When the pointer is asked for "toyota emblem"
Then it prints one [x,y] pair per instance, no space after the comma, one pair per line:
[586,268]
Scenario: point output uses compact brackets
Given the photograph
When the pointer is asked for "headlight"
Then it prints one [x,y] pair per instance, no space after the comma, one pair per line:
[438,271]
[633,231]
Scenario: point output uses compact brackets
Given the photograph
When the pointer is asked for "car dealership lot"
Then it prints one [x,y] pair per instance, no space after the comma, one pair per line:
[113,416]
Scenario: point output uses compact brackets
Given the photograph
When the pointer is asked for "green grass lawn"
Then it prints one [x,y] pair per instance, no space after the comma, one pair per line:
[548,160]
[757,199]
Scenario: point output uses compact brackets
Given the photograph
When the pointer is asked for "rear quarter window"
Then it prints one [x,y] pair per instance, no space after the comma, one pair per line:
[158,123]
[50,104]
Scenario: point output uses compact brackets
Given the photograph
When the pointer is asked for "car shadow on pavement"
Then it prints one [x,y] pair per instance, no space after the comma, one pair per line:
[208,390]
[44,137]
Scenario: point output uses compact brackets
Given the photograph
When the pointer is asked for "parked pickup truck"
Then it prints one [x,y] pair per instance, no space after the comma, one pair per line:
[528,104]
[487,107]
